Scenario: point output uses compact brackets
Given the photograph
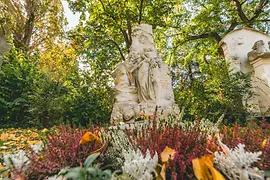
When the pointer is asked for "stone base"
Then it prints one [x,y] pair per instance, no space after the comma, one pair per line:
[127,112]
[124,112]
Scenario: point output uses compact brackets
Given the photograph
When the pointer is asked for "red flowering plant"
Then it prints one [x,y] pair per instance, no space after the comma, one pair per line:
[61,149]
[187,143]
[255,137]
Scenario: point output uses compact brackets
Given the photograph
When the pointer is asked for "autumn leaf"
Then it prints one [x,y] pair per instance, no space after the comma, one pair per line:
[4,136]
[160,170]
[100,149]
[204,170]
[167,154]
[89,137]
[264,142]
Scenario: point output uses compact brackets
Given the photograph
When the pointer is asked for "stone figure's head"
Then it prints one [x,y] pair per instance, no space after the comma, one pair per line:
[142,29]
[142,37]
[258,45]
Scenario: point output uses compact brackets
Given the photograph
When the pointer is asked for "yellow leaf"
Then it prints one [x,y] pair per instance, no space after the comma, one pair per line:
[264,142]
[4,136]
[204,170]
[100,149]
[5,173]
[44,130]
[167,154]
[8,143]
[160,171]
[11,136]
[89,137]
[163,171]
[1,166]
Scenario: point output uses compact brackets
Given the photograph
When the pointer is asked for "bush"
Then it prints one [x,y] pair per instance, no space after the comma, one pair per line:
[252,136]
[62,149]
[29,98]
[18,76]
[188,144]
[211,91]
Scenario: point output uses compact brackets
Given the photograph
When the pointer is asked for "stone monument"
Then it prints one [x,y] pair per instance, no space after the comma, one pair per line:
[247,51]
[142,81]
[259,58]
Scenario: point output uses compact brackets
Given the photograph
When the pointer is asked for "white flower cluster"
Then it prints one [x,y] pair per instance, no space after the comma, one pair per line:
[237,164]
[118,142]
[15,161]
[138,167]
[18,161]
[205,126]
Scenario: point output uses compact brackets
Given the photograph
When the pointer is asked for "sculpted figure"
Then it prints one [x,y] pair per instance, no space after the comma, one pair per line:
[142,82]
[145,76]
[258,50]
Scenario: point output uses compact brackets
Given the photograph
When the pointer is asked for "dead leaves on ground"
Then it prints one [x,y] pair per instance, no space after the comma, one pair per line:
[12,140]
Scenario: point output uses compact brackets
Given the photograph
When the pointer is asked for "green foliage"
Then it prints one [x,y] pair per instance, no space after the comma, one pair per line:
[18,75]
[29,97]
[47,102]
[212,92]
[88,101]
[89,171]
[32,24]
[45,90]
[187,33]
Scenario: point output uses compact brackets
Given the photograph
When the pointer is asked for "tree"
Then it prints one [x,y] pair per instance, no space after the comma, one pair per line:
[186,32]
[31,24]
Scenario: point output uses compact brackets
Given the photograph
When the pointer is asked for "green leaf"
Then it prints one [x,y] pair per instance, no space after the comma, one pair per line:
[90,159]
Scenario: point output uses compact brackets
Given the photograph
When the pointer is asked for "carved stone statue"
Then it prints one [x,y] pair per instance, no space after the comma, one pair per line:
[259,50]
[142,82]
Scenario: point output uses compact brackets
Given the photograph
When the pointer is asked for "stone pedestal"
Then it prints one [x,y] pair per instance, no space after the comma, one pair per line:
[261,81]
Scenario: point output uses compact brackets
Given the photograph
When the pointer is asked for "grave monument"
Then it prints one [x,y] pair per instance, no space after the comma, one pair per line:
[247,51]
[142,81]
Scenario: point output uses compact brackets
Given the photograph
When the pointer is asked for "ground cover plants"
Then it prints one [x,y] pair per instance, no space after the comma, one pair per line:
[171,149]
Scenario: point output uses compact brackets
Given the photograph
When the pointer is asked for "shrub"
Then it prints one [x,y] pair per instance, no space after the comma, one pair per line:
[188,144]
[18,75]
[252,136]
[61,150]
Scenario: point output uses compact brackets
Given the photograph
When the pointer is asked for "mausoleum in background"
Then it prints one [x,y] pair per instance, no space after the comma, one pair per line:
[248,51]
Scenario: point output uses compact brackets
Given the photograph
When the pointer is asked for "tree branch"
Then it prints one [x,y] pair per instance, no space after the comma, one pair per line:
[203,36]
[29,24]
[140,12]
[122,31]
[119,49]
[129,29]
[264,20]
[259,9]
[233,25]
[240,12]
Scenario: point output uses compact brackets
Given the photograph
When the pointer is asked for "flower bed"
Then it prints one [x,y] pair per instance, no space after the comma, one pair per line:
[172,149]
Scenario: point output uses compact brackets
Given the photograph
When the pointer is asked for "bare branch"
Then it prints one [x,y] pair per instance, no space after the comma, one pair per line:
[243,2]
[140,12]
[233,25]
[240,12]
[264,20]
